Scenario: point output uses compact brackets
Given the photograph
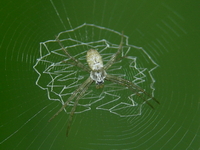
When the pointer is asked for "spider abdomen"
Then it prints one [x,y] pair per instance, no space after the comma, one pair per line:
[94,59]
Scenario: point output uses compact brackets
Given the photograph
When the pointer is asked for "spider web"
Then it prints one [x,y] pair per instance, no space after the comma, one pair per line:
[64,78]
[164,32]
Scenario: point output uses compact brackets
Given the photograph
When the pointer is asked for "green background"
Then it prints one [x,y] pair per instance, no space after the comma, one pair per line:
[168,30]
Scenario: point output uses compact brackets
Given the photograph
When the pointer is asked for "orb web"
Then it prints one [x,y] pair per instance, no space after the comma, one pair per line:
[59,77]
[166,30]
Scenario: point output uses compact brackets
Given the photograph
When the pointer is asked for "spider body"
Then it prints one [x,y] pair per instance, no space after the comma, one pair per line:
[98,75]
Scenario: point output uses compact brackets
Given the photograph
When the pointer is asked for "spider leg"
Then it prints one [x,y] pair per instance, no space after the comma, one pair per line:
[114,57]
[132,87]
[76,62]
[77,93]
[84,89]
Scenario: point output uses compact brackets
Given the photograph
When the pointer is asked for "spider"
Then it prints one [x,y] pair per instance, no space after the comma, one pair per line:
[98,75]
